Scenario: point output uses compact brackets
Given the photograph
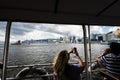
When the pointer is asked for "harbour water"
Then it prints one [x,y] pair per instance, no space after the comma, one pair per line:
[45,53]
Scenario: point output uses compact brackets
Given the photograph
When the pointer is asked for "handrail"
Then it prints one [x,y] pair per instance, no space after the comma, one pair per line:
[50,76]
[22,66]
[31,65]
[38,65]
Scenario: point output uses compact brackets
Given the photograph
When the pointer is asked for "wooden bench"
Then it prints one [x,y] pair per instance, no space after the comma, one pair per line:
[108,76]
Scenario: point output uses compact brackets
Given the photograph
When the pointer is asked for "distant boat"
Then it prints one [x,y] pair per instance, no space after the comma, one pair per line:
[17,43]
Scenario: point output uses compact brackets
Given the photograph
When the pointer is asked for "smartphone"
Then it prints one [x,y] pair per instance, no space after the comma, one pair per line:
[75,50]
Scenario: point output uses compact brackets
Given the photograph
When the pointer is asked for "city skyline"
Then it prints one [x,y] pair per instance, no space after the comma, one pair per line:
[27,31]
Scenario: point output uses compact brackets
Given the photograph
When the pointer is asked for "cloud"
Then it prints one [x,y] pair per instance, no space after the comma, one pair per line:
[36,34]
[61,29]
[55,31]
[21,28]
[113,28]
[96,29]
[2,30]
[58,28]
[23,31]
[52,28]
[2,27]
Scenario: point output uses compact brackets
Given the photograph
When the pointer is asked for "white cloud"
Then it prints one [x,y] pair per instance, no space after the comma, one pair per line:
[44,31]
[2,36]
[63,29]
[96,29]
[113,28]
[75,30]
[36,34]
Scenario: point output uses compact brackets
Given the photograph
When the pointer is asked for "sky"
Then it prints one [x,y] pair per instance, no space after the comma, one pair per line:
[28,31]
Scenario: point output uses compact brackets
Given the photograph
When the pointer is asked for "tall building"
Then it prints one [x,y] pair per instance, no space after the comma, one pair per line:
[93,37]
[110,36]
[113,35]
[117,33]
[96,37]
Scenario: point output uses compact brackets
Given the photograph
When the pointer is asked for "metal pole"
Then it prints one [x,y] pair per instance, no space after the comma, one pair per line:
[86,53]
[6,48]
[89,51]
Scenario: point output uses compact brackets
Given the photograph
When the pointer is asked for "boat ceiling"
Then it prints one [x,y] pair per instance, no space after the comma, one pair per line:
[92,12]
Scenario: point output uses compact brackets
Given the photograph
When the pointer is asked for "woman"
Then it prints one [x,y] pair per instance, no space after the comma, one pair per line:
[64,70]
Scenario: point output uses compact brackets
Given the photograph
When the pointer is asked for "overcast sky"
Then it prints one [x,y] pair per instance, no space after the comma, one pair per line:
[27,31]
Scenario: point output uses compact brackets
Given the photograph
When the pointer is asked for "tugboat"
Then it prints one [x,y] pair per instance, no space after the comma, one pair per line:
[17,43]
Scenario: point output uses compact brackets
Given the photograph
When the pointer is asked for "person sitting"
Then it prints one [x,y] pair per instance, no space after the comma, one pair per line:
[110,60]
[106,51]
[67,71]
[95,64]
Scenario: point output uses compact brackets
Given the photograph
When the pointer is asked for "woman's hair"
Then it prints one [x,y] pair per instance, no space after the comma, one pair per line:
[60,62]
[115,48]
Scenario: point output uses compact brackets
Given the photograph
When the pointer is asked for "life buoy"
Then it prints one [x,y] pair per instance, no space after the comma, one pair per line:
[30,72]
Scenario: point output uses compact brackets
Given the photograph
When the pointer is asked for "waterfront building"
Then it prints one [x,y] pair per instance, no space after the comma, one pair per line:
[110,36]
[96,37]
[113,35]
[117,33]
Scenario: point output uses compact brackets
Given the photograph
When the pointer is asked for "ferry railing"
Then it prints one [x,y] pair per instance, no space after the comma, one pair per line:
[49,75]
[22,66]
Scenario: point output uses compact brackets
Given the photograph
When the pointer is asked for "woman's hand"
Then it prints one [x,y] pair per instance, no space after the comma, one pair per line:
[71,51]
[79,58]
[75,51]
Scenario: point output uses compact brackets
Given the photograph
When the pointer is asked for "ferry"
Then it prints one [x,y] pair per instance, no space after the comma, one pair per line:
[17,43]
[77,12]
